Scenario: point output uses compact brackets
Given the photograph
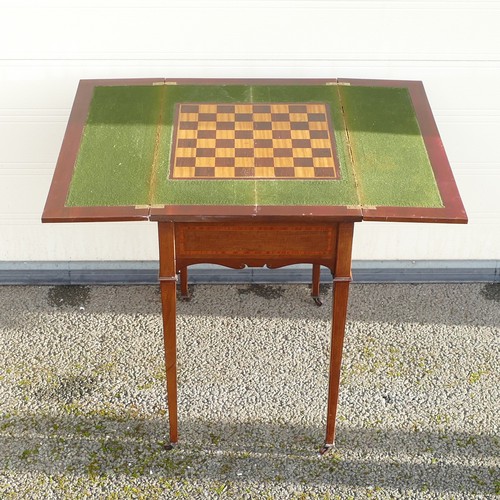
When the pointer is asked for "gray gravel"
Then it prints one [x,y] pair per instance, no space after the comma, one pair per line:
[82,398]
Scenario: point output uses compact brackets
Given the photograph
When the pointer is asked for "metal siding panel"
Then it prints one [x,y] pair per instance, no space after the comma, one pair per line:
[38,81]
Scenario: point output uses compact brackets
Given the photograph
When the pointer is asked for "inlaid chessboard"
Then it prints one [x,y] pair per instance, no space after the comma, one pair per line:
[253,141]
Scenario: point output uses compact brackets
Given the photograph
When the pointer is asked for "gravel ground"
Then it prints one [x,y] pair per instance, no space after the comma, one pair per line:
[82,397]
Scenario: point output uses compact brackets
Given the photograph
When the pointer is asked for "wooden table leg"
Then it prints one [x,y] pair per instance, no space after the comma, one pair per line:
[184,283]
[315,284]
[168,281]
[342,279]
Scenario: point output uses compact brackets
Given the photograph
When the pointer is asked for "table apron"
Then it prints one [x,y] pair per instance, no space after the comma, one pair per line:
[255,244]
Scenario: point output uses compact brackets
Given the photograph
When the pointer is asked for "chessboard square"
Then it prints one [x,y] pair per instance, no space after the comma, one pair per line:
[264,162]
[205,162]
[264,152]
[303,162]
[297,108]
[207,117]
[318,125]
[205,152]
[208,108]
[316,108]
[288,172]
[204,172]
[244,172]
[322,152]
[305,172]
[224,134]
[261,117]
[283,152]
[316,117]
[299,134]
[261,108]
[324,172]
[189,108]
[301,143]
[229,125]
[182,161]
[187,134]
[187,143]
[299,126]
[238,152]
[280,108]
[224,161]
[261,134]
[282,134]
[280,117]
[224,143]
[302,152]
[225,152]
[224,172]
[206,143]
[225,108]
[263,143]
[281,125]
[243,117]
[224,117]
[243,143]
[244,126]
[321,143]
[207,134]
[185,152]
[298,117]
[244,161]
[265,172]
[184,172]
[188,117]
[257,125]
[243,108]
[319,134]
[188,125]
[243,134]
[323,162]
[282,143]
[283,161]
[206,125]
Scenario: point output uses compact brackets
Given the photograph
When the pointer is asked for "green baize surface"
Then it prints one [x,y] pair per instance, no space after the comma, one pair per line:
[124,157]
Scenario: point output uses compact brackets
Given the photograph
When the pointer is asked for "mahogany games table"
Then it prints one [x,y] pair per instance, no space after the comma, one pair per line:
[253,173]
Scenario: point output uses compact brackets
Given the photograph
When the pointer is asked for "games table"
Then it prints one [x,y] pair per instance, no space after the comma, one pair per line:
[253,173]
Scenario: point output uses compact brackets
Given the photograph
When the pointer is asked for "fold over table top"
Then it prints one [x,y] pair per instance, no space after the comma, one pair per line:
[242,149]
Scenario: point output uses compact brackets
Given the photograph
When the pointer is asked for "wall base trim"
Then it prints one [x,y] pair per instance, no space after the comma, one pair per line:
[146,272]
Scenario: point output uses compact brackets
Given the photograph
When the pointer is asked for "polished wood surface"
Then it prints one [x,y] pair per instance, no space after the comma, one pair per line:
[341,281]
[256,244]
[168,281]
[268,243]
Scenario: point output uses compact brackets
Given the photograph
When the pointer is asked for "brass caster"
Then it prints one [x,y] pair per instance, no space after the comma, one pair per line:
[317,301]
[325,449]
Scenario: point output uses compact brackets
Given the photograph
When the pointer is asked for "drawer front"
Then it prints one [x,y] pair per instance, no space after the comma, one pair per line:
[219,240]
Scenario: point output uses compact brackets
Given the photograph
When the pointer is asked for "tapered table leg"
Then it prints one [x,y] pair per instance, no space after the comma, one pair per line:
[168,281]
[316,270]
[184,283]
[342,279]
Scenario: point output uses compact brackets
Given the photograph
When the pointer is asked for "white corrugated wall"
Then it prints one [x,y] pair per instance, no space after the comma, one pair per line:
[46,47]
